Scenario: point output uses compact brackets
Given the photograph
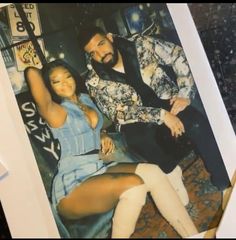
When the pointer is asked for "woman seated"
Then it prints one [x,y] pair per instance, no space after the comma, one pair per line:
[84,185]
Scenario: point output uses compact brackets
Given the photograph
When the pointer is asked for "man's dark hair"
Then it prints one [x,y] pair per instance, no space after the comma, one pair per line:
[87,32]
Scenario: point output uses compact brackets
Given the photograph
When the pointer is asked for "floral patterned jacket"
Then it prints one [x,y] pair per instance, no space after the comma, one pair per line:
[120,102]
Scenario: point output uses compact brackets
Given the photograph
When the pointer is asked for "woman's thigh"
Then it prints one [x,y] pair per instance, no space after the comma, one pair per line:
[97,194]
[123,168]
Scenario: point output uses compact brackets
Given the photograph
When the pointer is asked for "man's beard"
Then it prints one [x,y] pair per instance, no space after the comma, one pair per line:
[111,63]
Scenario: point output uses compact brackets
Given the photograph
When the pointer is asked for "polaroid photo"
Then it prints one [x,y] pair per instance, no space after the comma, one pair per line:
[31,151]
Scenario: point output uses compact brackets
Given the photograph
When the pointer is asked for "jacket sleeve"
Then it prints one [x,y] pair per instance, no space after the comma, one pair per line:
[120,103]
[173,55]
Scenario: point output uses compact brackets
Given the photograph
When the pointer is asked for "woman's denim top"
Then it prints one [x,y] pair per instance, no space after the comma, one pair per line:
[76,136]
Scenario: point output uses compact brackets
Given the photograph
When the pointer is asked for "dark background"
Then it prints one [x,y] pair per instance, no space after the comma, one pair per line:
[216,24]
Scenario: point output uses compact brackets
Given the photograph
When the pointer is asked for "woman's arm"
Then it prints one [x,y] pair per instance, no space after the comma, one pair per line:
[53,113]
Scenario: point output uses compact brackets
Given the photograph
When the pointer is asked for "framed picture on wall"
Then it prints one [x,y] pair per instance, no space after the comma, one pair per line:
[163,79]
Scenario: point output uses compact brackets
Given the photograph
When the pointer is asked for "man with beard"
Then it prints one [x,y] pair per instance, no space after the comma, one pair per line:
[133,85]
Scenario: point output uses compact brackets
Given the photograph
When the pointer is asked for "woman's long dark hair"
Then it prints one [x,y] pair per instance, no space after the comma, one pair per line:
[49,67]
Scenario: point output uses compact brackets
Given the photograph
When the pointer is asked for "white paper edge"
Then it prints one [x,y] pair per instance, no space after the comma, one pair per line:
[209,93]
[227,225]
[22,192]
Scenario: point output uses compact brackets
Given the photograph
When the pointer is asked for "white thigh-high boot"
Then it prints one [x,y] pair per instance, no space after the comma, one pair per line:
[166,199]
[176,179]
[128,210]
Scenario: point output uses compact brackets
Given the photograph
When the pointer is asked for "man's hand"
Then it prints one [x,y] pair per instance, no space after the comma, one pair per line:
[174,124]
[178,104]
[107,145]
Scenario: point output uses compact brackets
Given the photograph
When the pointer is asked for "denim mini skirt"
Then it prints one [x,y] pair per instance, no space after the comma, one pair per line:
[72,171]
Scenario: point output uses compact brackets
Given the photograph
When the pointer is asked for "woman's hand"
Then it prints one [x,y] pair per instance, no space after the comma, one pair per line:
[178,104]
[174,124]
[107,145]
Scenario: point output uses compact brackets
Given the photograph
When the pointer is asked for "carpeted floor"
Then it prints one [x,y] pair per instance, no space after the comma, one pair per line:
[204,206]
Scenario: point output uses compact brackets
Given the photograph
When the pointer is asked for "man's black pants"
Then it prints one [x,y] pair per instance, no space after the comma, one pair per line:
[155,143]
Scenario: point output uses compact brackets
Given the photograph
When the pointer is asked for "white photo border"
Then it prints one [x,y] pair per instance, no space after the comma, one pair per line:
[206,83]
[22,192]
[211,99]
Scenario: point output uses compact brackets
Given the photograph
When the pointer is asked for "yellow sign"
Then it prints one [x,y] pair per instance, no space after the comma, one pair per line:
[26,55]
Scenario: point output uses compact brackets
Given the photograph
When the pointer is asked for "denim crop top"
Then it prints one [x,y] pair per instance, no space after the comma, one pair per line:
[76,135]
